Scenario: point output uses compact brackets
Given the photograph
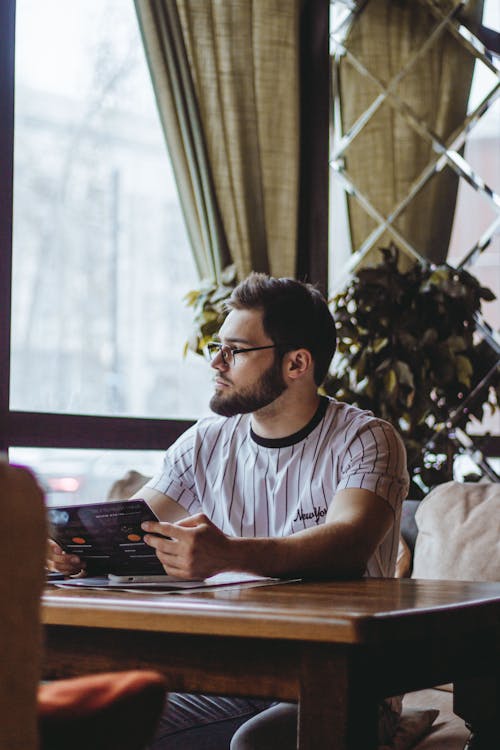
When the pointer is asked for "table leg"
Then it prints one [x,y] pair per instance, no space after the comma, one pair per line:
[476,701]
[337,710]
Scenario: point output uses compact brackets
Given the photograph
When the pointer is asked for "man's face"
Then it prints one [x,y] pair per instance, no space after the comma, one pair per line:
[255,379]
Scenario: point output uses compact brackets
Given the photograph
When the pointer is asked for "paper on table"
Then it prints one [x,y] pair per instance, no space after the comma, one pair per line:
[174,586]
[221,582]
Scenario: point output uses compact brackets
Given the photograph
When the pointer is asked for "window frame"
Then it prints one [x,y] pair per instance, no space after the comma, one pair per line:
[43,429]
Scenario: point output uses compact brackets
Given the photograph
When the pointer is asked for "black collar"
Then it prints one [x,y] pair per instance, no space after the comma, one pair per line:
[297,436]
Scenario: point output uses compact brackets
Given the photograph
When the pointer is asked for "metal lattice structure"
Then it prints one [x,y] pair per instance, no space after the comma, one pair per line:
[448,19]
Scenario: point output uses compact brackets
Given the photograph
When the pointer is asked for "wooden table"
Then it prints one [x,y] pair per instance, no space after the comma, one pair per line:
[335,647]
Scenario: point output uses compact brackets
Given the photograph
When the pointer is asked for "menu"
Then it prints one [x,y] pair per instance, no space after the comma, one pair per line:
[106,535]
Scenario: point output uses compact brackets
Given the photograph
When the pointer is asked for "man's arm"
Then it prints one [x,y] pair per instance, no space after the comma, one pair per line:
[356,523]
[165,508]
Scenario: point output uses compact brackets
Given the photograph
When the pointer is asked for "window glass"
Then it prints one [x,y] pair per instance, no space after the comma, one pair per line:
[474,214]
[101,258]
[70,476]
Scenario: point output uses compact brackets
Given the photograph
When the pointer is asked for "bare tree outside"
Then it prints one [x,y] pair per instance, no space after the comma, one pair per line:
[101,255]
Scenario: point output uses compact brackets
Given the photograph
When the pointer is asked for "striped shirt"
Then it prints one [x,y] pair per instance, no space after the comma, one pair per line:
[251,486]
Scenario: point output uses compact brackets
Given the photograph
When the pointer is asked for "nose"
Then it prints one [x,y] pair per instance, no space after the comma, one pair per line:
[218,362]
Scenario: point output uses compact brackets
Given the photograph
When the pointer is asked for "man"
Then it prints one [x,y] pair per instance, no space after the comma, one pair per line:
[283,483]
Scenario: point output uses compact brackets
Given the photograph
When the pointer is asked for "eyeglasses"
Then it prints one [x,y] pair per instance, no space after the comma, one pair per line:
[228,354]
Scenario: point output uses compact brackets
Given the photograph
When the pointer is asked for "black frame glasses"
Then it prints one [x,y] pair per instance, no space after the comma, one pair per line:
[228,353]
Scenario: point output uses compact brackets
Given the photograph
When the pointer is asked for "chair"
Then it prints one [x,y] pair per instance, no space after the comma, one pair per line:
[112,711]
[22,560]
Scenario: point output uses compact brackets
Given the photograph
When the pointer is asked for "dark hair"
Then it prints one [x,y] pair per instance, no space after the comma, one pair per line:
[295,315]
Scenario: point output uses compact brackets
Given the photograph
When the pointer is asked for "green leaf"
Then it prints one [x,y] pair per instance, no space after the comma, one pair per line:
[191,297]
[379,344]
[411,349]
[370,388]
[429,337]
[437,278]
[221,293]
[384,365]
[410,398]
[464,370]
[456,344]
[486,294]
[390,381]
[208,303]
[228,276]
[209,316]
[362,386]
[408,341]
[404,374]
[204,341]
[361,365]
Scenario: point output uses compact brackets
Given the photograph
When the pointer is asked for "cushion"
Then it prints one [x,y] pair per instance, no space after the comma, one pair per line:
[448,731]
[409,528]
[108,711]
[413,725]
[459,533]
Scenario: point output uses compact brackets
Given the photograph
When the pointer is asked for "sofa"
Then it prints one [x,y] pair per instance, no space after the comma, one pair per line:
[453,534]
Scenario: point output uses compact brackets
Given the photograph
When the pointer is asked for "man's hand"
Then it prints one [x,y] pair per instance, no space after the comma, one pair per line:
[196,549]
[61,562]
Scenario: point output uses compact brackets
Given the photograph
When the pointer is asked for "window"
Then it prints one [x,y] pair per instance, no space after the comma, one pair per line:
[92,318]
[71,476]
[474,215]
[370,95]
[101,260]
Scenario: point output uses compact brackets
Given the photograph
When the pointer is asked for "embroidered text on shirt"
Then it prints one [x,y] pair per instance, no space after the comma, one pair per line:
[317,514]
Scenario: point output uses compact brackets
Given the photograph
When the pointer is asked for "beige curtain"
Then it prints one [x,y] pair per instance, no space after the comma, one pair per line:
[177,104]
[226,78]
[388,155]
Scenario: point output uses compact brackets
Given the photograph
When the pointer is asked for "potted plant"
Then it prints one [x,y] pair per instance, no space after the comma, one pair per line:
[208,303]
[407,351]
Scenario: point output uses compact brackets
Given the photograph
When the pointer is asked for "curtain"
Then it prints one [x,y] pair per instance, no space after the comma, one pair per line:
[388,155]
[226,80]
[178,109]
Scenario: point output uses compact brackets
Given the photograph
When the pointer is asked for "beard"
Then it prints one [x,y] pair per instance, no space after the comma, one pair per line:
[268,387]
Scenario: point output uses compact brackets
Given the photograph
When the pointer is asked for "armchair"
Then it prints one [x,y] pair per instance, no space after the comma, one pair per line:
[114,711]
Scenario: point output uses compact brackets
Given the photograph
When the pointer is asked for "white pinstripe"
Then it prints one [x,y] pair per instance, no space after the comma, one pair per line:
[248,489]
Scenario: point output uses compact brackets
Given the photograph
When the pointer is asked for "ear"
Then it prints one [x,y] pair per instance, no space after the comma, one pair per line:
[297,363]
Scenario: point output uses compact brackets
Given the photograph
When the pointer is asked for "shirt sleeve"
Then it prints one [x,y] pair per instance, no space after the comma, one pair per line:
[176,478]
[375,459]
